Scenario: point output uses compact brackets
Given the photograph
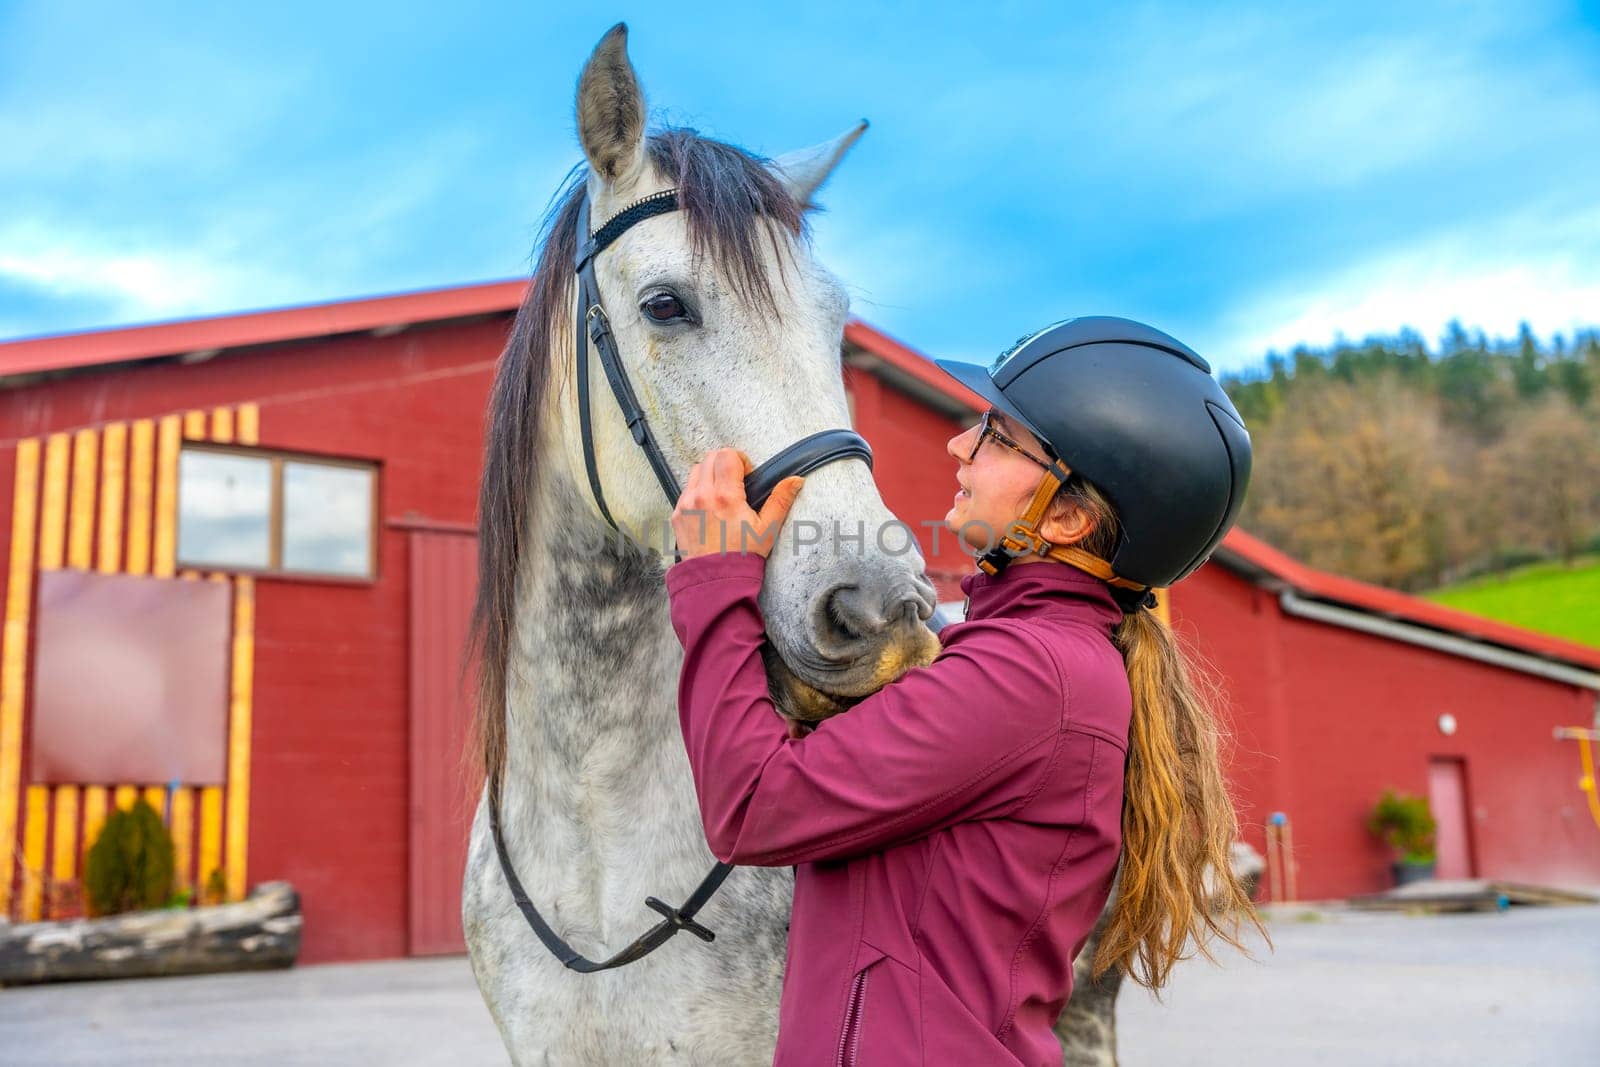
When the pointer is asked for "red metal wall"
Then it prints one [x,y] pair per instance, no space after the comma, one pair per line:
[915,475]
[1326,718]
[328,795]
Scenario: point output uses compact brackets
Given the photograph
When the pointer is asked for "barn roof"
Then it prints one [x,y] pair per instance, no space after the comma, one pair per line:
[1258,560]
[218,333]
[867,348]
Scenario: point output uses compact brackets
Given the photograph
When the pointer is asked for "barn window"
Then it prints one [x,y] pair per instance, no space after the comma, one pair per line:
[224,509]
[276,513]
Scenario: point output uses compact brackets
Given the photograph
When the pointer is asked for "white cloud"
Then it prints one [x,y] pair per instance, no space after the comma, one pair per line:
[140,278]
[1527,267]
[319,234]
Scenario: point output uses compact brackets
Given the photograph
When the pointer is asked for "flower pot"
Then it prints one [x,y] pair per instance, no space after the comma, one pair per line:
[1406,872]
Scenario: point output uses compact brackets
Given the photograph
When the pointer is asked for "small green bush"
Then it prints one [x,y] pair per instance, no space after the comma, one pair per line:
[130,865]
[1406,824]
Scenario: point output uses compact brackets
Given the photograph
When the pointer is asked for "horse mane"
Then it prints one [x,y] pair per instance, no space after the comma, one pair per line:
[731,200]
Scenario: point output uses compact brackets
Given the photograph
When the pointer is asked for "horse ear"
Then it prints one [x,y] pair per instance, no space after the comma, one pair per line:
[805,171]
[611,110]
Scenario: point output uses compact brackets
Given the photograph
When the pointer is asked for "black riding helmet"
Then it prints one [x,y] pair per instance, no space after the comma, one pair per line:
[1139,416]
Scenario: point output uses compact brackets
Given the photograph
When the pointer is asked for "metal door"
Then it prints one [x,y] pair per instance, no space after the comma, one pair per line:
[443,578]
[1447,796]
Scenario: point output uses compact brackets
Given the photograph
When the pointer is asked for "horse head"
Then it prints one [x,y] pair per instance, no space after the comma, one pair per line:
[730,332]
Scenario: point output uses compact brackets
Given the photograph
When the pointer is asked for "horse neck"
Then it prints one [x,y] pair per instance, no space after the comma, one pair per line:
[593,663]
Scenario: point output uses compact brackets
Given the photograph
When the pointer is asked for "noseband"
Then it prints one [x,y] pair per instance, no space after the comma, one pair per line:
[801,457]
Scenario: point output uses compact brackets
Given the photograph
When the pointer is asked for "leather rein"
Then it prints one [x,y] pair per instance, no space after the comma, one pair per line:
[801,457]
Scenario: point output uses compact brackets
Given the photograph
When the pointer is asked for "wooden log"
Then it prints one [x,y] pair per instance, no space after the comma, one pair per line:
[1467,894]
[258,933]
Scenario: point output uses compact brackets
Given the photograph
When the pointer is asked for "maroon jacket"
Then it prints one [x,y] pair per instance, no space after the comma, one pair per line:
[954,834]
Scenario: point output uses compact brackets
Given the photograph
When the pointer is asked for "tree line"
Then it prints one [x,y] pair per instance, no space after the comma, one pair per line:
[1389,462]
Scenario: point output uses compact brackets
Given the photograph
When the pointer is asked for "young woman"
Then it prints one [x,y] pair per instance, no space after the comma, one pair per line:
[956,835]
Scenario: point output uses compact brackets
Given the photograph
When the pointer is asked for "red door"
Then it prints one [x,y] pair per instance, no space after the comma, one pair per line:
[443,577]
[1447,796]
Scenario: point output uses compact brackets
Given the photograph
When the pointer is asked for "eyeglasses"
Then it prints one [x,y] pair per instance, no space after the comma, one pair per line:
[986,430]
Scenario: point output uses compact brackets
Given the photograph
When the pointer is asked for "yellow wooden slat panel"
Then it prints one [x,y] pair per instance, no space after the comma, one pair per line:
[37,820]
[183,834]
[64,835]
[210,854]
[14,656]
[239,710]
[156,797]
[94,817]
[194,425]
[222,424]
[80,527]
[113,484]
[141,491]
[53,503]
[248,424]
[166,517]
[125,796]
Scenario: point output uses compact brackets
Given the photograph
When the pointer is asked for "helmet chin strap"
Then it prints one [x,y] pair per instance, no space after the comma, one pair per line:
[1023,538]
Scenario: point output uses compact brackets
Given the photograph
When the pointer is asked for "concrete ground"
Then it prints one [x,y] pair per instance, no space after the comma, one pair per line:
[1366,988]
[1341,988]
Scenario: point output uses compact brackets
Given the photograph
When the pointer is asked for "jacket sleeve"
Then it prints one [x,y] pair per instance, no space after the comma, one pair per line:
[970,736]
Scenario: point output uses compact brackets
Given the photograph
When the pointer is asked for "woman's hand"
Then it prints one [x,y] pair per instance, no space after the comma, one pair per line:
[713,515]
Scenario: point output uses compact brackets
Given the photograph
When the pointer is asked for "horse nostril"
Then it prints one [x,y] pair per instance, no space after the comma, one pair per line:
[851,614]
[909,610]
[847,614]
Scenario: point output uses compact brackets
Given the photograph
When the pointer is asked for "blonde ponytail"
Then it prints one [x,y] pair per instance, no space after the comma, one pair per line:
[1176,884]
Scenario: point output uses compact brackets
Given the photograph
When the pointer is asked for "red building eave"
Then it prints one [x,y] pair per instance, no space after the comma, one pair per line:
[909,368]
[217,333]
[1309,582]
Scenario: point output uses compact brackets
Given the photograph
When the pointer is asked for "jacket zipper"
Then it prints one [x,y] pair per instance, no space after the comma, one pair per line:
[850,1038]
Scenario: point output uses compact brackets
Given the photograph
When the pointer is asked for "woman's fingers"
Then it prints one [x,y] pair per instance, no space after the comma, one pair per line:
[727,474]
[713,514]
[776,509]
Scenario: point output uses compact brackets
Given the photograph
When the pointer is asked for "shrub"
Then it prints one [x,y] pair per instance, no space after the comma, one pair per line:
[130,865]
[1406,824]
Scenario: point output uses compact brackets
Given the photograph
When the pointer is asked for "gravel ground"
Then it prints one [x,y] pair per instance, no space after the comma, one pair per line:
[1341,988]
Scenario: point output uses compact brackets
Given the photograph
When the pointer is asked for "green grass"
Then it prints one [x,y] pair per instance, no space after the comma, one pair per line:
[1547,597]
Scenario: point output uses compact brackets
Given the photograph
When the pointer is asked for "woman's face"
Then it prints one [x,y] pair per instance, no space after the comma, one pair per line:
[996,485]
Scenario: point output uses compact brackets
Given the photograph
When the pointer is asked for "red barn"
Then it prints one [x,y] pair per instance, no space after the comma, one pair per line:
[241,558]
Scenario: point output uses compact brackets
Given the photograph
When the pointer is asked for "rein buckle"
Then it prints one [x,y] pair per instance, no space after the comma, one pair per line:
[677,919]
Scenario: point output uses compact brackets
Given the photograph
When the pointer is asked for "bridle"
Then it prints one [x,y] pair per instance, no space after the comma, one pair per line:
[801,457]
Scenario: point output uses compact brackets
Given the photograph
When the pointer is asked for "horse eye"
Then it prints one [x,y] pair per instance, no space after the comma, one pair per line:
[664,307]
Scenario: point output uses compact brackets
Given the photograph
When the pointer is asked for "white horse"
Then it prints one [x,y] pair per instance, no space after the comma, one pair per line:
[578,719]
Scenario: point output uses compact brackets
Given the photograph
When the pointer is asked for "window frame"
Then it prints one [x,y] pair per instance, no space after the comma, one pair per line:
[276,458]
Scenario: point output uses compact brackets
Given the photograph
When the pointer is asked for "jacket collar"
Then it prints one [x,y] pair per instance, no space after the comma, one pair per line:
[1040,588]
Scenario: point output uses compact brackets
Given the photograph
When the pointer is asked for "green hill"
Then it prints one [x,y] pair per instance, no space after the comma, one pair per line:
[1548,597]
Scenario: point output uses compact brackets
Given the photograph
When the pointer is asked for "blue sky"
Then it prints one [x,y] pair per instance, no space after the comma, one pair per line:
[1244,176]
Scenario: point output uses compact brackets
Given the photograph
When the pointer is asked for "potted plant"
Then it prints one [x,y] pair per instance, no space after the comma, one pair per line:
[1406,825]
